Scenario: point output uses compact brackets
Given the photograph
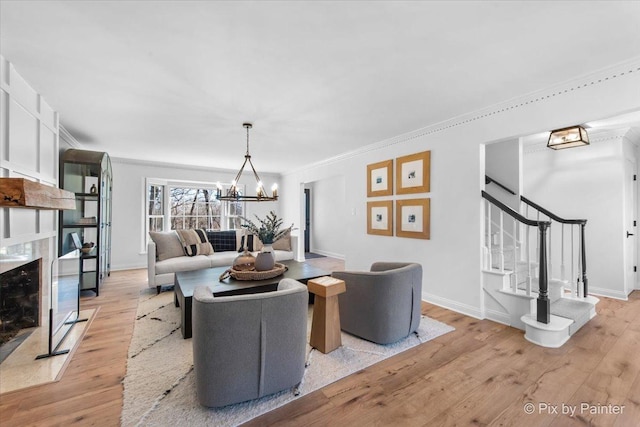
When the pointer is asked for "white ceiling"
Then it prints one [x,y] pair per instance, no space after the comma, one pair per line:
[173,81]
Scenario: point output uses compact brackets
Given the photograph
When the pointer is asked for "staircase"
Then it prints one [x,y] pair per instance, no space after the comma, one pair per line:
[516,266]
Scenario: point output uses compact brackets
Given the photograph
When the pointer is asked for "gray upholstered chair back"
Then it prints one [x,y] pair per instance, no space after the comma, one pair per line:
[248,346]
[381,305]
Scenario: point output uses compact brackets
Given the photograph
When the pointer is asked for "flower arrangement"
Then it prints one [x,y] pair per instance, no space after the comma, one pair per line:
[269,230]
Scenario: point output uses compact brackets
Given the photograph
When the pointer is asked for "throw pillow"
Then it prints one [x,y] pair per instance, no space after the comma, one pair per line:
[283,243]
[167,244]
[223,241]
[195,242]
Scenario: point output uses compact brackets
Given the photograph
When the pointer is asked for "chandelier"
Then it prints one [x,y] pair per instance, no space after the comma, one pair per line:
[232,193]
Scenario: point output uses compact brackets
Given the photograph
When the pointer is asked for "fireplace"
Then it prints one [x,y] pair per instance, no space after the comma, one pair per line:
[19,299]
[24,293]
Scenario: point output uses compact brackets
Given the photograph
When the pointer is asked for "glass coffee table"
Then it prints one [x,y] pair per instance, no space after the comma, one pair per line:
[187,281]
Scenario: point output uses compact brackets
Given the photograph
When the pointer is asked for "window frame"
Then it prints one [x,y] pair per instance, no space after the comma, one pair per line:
[226,217]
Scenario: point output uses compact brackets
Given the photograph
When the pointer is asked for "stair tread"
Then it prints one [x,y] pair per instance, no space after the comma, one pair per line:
[570,309]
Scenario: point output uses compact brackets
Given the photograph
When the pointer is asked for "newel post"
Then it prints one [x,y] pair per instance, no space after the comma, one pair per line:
[544,305]
[583,254]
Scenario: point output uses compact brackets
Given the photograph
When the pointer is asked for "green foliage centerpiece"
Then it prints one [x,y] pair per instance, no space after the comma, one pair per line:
[268,232]
[269,229]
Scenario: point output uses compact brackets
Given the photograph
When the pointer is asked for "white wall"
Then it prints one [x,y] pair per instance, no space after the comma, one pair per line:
[585,183]
[503,162]
[451,260]
[455,215]
[630,147]
[28,149]
[328,225]
[128,227]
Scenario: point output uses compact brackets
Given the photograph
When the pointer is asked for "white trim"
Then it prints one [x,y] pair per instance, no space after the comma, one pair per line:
[453,305]
[153,163]
[498,317]
[128,267]
[551,335]
[25,238]
[328,254]
[608,293]
[167,184]
[633,135]
[604,75]
[68,138]
[36,113]
[146,182]
[37,176]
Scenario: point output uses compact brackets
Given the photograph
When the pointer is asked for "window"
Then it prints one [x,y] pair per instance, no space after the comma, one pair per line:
[185,205]
[155,207]
[234,214]
[194,208]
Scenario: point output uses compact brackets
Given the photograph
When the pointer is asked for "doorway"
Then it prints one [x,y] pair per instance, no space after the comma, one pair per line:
[307,220]
[630,223]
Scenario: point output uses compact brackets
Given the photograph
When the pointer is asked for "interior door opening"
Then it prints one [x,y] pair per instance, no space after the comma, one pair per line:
[631,257]
[307,220]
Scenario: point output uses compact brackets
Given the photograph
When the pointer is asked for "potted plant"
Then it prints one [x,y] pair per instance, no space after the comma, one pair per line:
[268,231]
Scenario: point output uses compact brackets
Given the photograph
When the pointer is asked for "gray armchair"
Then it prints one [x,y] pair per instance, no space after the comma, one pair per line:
[248,346]
[382,305]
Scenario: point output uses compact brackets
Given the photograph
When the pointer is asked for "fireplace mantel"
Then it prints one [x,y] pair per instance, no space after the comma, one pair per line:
[23,193]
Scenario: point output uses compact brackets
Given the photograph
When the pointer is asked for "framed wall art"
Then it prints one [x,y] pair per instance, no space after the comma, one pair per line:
[380,179]
[413,173]
[413,218]
[380,218]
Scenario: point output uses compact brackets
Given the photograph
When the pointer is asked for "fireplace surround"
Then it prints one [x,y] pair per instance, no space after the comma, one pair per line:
[19,299]
[31,262]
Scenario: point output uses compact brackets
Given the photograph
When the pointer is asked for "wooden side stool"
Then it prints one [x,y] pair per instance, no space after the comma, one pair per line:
[325,327]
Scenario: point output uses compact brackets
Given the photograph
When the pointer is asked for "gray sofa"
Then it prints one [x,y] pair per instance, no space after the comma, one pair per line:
[381,305]
[169,258]
[248,346]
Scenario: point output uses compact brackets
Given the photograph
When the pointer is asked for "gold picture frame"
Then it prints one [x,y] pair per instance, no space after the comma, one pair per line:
[413,173]
[380,179]
[413,218]
[380,218]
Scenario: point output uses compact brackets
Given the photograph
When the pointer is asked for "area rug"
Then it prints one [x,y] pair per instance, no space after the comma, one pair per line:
[159,387]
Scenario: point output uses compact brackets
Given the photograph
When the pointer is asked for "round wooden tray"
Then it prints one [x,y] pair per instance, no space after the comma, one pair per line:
[277,270]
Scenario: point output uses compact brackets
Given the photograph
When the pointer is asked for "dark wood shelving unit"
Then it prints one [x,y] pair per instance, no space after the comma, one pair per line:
[87,174]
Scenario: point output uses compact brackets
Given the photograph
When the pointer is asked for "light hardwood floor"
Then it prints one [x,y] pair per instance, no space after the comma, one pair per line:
[483,373]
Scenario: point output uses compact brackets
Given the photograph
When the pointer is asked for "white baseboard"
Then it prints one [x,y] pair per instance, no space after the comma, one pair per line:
[608,293]
[128,267]
[465,309]
[498,317]
[328,254]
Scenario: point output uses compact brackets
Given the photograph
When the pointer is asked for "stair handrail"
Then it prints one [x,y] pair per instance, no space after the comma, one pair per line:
[543,303]
[583,252]
[489,180]
[513,213]
[551,214]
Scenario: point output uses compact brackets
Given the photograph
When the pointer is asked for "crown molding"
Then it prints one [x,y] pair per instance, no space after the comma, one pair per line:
[68,138]
[614,72]
[152,163]
[634,136]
